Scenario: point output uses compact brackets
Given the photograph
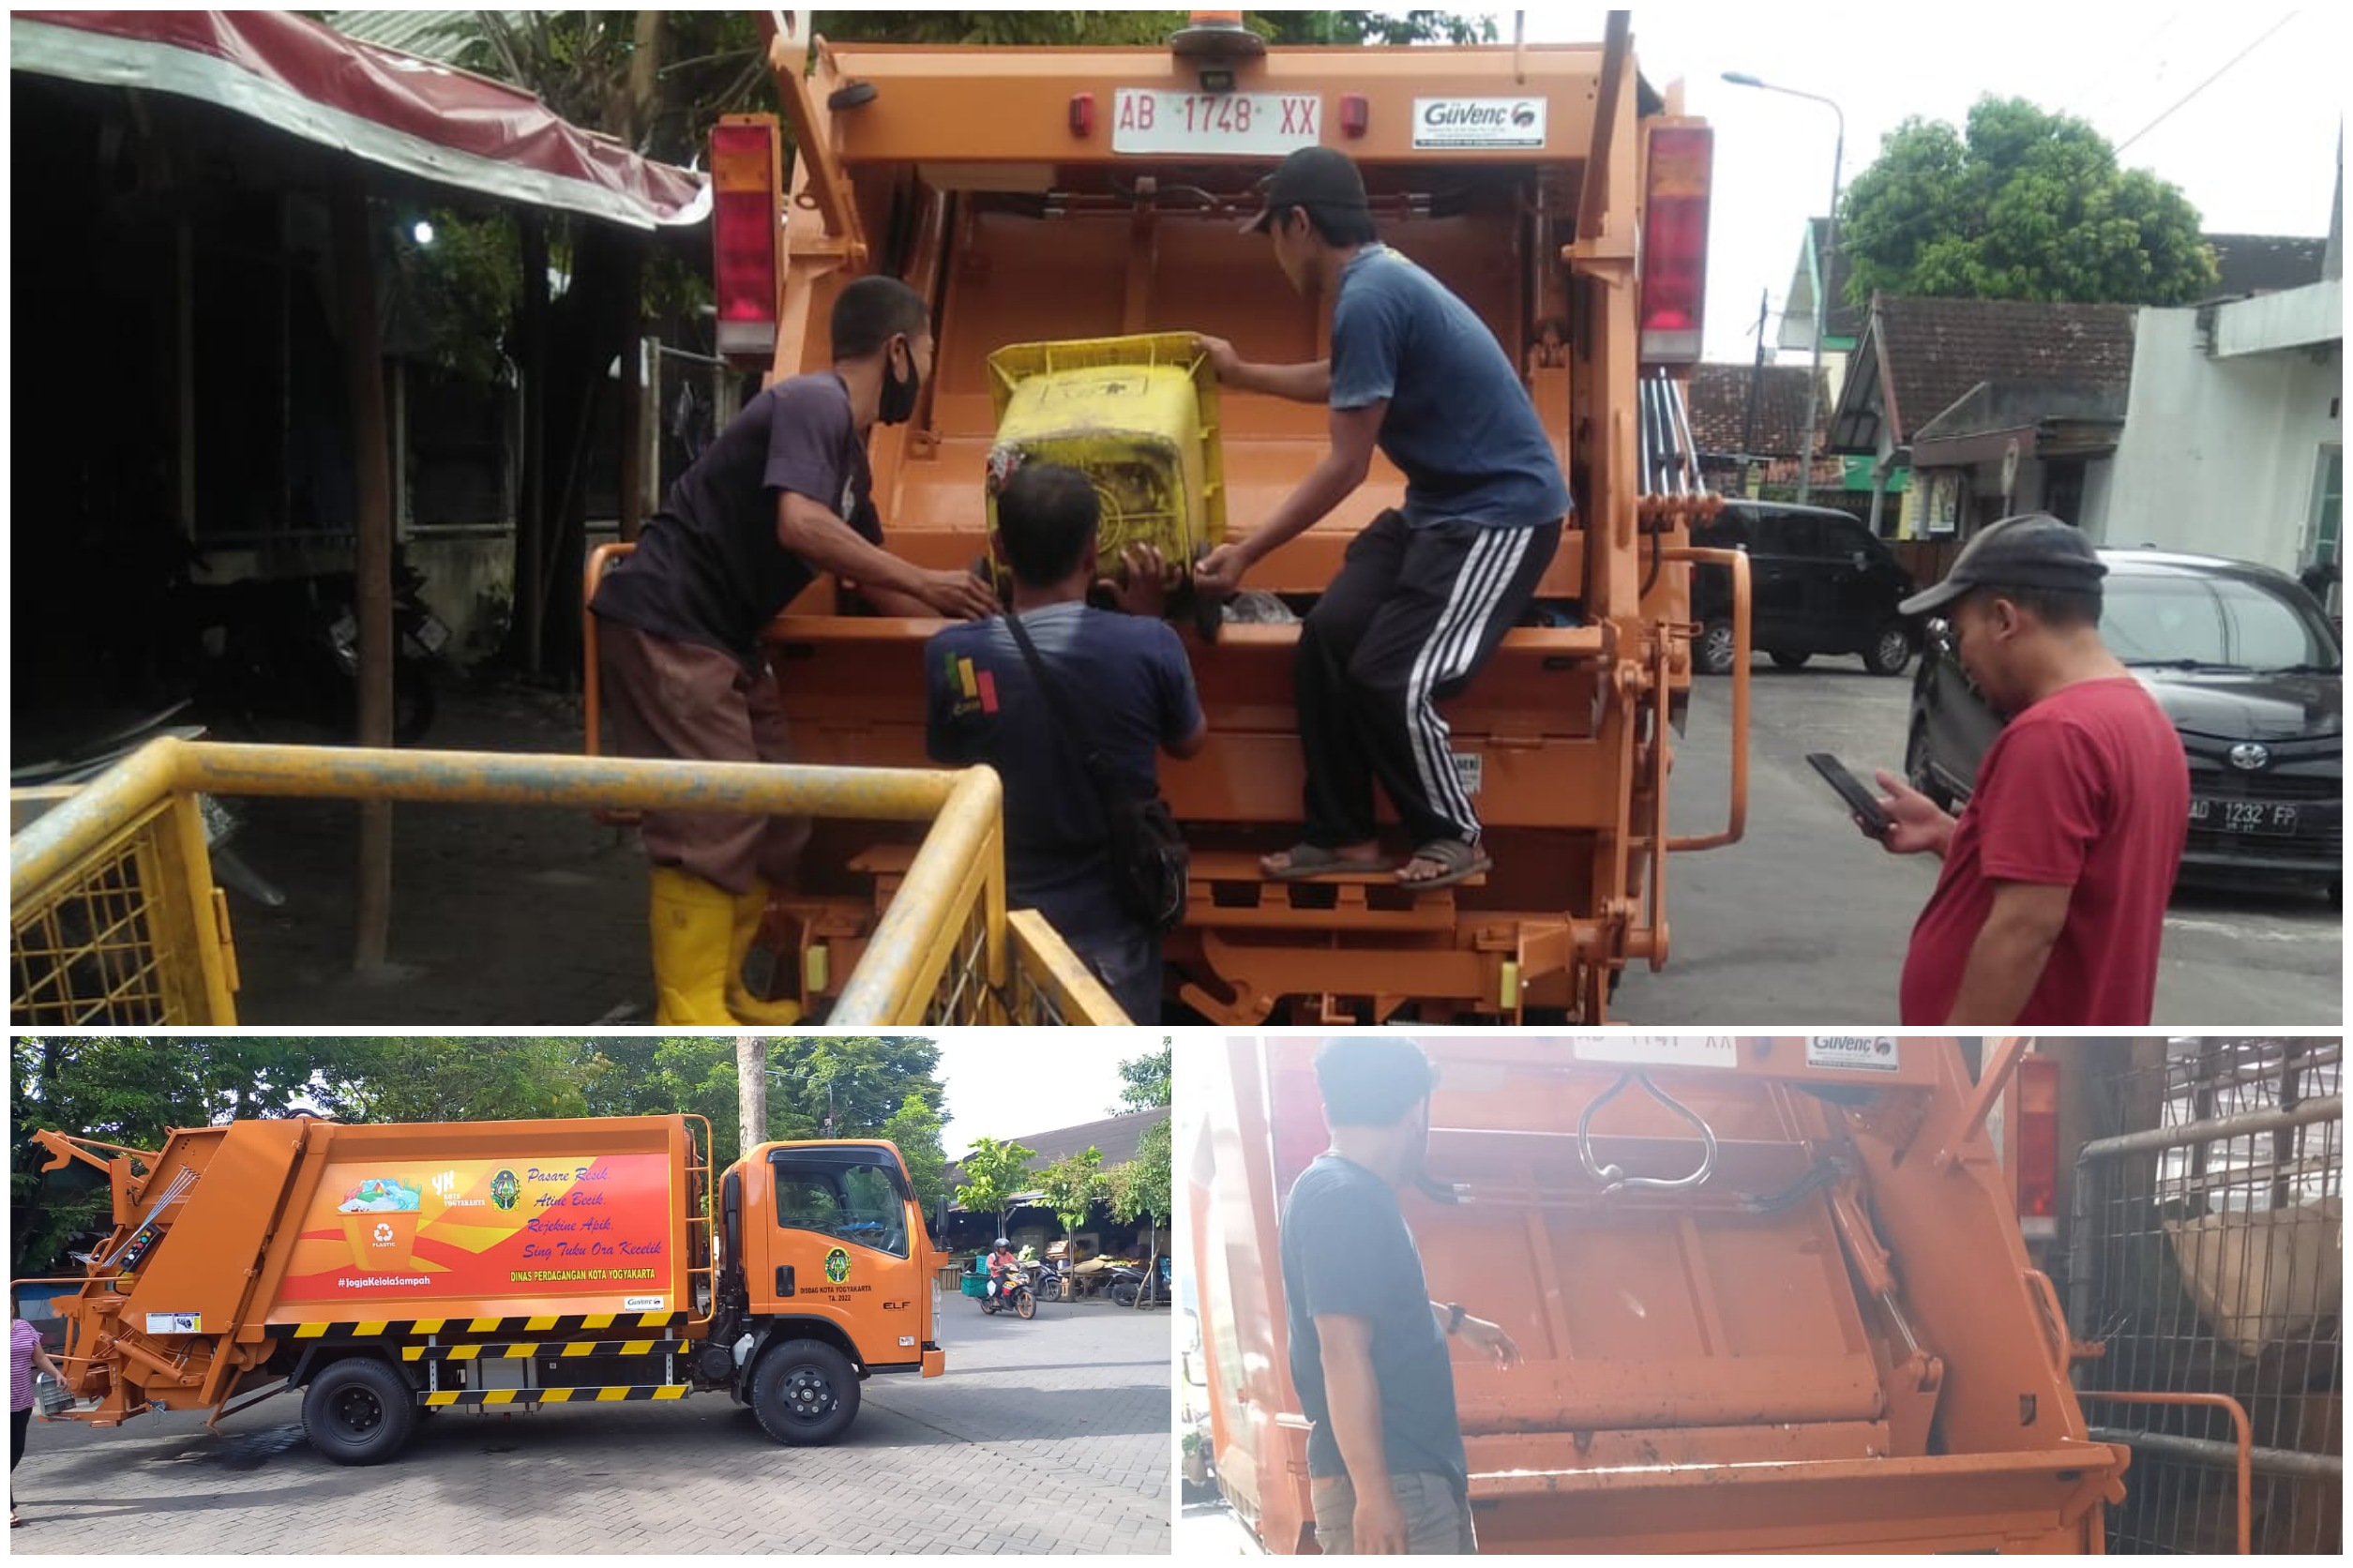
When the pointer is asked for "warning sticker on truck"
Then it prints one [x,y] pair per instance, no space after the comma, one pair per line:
[1663,1050]
[644,1304]
[175,1322]
[1866,1053]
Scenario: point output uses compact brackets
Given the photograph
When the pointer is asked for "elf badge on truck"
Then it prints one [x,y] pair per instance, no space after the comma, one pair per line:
[386,1270]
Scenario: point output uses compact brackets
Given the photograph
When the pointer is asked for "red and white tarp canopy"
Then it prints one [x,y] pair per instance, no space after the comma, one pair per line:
[426,120]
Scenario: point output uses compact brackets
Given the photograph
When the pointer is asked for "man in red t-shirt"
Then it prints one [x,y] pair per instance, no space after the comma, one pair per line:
[2052,901]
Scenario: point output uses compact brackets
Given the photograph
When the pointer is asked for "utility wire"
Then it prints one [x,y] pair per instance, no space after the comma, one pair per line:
[2209,81]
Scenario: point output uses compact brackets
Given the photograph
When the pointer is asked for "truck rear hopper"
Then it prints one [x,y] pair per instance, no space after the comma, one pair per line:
[1835,1342]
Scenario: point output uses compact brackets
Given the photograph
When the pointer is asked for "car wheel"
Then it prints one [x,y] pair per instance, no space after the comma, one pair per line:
[358,1412]
[1890,650]
[805,1392]
[1916,769]
[1791,662]
[1714,653]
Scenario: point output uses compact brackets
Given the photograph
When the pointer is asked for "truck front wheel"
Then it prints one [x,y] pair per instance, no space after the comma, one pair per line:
[358,1412]
[806,1393]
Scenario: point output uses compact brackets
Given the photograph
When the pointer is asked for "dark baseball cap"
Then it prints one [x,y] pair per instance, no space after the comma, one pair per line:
[1312,178]
[2031,550]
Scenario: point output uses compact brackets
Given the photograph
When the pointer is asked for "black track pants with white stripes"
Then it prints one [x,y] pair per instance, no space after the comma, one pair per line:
[1413,615]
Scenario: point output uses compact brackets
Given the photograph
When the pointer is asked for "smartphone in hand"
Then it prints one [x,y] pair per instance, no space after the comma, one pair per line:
[1859,796]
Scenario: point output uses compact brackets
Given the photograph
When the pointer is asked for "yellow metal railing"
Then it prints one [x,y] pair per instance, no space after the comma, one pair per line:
[114,919]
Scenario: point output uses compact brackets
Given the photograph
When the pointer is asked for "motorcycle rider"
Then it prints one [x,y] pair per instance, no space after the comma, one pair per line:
[1002,1267]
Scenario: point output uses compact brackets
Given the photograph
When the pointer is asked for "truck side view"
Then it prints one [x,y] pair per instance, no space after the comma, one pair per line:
[389,1270]
[1046,197]
[1771,1293]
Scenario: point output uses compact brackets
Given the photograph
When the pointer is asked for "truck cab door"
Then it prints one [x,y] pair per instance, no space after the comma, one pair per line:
[845,1243]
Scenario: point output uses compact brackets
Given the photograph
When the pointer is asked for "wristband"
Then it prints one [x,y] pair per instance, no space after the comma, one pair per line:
[1454,1315]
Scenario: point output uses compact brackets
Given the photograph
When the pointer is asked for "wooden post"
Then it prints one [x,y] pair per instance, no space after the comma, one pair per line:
[531,525]
[371,555]
[634,398]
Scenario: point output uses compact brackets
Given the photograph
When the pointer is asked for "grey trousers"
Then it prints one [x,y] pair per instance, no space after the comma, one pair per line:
[1436,1514]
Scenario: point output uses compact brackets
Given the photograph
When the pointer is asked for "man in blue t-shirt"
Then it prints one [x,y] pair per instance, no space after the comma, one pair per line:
[1427,589]
[1128,680]
[782,495]
[1385,1463]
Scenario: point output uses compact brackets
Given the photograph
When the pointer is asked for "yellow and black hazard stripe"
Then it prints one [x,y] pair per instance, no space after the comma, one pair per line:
[419,1328]
[589,1395]
[526,1350]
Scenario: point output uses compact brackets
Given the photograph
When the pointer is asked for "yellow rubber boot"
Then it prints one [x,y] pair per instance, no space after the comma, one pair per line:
[693,922]
[751,908]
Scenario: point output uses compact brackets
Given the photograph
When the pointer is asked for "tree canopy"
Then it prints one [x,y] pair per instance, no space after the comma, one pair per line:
[994,1174]
[1147,1082]
[2020,204]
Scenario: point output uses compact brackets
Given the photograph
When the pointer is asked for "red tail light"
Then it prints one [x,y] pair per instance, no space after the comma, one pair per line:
[745,170]
[2038,1148]
[1675,244]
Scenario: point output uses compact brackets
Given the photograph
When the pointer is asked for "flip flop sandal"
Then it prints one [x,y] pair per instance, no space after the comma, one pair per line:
[1309,861]
[1460,861]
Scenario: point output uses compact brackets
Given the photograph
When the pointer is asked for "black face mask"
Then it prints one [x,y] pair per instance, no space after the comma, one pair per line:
[898,393]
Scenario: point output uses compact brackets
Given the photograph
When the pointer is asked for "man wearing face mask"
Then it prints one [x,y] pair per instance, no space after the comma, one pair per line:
[1369,1350]
[783,494]
[2052,900]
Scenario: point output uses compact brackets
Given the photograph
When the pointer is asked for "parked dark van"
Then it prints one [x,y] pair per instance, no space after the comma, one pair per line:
[1818,583]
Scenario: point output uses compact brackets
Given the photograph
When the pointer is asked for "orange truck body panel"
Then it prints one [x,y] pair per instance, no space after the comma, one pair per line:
[239,1248]
[964,175]
[1835,1343]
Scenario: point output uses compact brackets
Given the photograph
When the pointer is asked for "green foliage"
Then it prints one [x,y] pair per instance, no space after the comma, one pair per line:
[994,1173]
[1146,1081]
[457,295]
[915,1126]
[2024,205]
[1143,1189]
[1072,1185]
[1032,29]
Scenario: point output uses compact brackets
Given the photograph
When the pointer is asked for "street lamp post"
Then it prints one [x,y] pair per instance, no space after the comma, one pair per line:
[1821,289]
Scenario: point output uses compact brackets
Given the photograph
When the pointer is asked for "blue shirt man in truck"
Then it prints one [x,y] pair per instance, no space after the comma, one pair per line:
[1427,589]
[1385,1463]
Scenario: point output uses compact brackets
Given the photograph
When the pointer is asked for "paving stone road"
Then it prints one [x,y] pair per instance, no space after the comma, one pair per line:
[1046,1436]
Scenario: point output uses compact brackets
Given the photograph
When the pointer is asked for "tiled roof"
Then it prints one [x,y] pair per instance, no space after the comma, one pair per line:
[1936,350]
[2264,264]
[1719,409]
[1115,1136]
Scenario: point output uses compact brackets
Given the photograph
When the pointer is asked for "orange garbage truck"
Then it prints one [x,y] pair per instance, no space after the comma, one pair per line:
[1770,1295]
[1073,216]
[389,1269]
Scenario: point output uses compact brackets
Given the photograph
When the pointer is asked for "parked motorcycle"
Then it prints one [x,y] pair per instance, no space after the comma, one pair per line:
[1130,1284]
[288,649]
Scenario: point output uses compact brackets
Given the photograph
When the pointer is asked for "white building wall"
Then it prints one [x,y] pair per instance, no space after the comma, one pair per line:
[2218,456]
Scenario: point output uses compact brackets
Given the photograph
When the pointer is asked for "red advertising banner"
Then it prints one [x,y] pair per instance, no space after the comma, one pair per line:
[551,1226]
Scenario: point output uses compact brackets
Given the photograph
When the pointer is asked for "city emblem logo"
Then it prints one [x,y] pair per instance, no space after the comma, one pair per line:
[505,1189]
[838,1265]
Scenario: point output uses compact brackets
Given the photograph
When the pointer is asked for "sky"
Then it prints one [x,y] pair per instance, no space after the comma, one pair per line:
[1005,1083]
[2255,152]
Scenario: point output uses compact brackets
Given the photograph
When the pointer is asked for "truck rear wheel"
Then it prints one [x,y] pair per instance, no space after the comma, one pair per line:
[806,1393]
[359,1412]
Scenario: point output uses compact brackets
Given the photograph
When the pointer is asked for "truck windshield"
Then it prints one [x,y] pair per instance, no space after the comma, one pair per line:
[851,1196]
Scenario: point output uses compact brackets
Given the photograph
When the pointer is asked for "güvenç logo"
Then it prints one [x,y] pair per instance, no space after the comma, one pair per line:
[1478,123]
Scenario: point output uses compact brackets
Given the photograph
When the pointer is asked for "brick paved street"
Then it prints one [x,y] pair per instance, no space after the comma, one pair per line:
[1048,1436]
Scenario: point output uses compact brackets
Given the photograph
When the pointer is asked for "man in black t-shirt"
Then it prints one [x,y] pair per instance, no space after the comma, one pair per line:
[1369,1356]
[783,494]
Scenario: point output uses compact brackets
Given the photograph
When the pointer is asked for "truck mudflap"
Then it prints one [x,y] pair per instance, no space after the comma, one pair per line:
[1945,1503]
